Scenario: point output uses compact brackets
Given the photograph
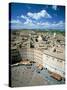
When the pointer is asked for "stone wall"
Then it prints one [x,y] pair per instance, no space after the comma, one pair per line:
[51,63]
[14,56]
[54,64]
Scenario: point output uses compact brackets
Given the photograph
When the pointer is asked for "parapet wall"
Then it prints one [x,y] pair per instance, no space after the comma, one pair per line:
[51,63]
[32,55]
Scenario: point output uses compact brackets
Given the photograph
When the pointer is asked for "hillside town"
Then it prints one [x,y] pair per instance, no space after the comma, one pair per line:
[38,57]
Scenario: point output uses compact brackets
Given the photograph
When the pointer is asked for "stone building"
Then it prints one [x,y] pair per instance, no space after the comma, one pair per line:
[15,55]
[51,55]
[50,60]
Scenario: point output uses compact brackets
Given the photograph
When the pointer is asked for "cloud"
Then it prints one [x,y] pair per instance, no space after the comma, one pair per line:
[54,25]
[15,21]
[43,24]
[28,21]
[54,7]
[39,15]
[33,24]
[59,24]
[24,17]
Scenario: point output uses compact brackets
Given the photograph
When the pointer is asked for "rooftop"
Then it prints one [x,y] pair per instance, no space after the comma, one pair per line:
[55,54]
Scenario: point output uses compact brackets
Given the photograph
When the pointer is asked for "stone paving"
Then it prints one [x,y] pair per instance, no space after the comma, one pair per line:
[22,75]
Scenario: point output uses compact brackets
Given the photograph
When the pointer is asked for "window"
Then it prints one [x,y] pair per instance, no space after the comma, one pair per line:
[61,61]
[57,60]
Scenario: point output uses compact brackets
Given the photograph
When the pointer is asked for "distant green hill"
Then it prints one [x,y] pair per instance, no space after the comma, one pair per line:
[40,30]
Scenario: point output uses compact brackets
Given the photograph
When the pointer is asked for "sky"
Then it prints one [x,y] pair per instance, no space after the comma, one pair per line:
[36,16]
